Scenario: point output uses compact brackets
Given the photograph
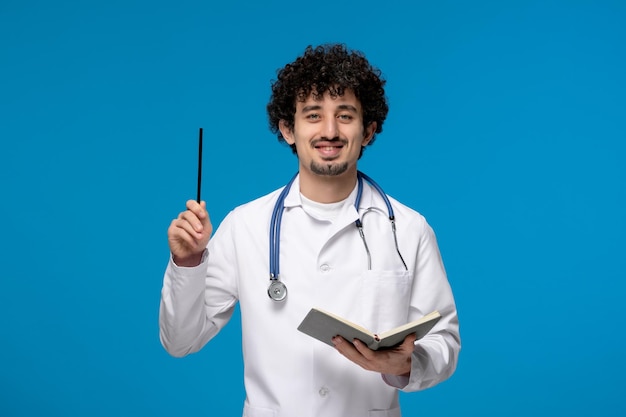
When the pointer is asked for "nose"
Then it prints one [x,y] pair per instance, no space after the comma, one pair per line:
[330,128]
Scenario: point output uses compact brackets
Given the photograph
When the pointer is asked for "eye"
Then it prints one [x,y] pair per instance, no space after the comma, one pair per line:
[345,116]
[313,116]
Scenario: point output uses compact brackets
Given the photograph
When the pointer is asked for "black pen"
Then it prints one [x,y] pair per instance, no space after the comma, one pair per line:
[199,164]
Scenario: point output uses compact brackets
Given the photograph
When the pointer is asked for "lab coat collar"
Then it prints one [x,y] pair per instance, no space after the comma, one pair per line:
[293,198]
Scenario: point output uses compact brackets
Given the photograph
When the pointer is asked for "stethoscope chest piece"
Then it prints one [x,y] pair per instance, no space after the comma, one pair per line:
[277,290]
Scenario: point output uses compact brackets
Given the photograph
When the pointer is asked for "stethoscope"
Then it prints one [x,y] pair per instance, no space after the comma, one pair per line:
[277,289]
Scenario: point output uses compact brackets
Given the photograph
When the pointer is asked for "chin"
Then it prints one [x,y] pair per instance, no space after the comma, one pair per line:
[329,169]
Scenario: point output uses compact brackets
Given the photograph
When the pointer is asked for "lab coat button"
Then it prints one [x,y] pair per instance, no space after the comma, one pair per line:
[325,268]
[323,391]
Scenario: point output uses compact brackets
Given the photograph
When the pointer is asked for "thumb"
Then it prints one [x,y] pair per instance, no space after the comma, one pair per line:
[204,214]
[204,217]
[409,342]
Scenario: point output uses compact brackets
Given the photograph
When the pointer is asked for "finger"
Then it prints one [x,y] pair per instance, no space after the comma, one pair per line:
[181,231]
[347,349]
[351,352]
[200,212]
[343,346]
[362,348]
[204,218]
[199,209]
[409,343]
[195,224]
[191,227]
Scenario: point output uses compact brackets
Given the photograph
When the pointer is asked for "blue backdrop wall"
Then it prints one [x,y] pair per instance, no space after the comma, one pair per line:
[506,130]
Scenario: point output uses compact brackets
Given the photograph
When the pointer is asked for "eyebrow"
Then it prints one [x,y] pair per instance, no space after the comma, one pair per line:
[313,107]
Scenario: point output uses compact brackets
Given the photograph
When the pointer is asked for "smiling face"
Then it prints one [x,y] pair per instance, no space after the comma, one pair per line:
[328,135]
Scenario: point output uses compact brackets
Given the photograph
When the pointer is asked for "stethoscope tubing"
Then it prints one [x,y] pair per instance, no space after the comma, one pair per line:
[277,290]
[277,216]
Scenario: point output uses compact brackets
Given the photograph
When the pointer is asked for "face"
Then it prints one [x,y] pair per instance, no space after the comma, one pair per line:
[328,134]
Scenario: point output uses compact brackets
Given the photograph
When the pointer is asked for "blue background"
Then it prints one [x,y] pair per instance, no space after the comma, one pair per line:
[506,130]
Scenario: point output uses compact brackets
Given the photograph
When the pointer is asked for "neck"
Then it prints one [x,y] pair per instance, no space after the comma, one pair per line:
[327,188]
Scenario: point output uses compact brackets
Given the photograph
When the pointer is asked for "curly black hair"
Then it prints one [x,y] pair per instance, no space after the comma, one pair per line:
[331,68]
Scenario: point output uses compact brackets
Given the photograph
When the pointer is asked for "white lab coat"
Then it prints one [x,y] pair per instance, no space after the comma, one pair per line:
[324,265]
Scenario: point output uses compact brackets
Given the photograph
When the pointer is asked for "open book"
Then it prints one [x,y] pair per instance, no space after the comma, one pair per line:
[324,326]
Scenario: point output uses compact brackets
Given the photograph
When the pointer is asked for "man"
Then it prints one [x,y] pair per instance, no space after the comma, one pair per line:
[328,105]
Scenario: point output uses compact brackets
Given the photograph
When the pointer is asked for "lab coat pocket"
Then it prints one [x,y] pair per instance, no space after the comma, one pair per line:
[392,412]
[384,299]
[249,411]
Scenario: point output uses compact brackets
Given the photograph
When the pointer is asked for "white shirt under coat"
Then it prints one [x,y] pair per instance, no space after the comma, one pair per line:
[324,265]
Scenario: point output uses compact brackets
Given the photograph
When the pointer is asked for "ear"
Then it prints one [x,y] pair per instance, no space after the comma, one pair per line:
[369,133]
[286,132]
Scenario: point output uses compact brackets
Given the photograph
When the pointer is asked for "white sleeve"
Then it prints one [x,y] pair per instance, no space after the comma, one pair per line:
[196,304]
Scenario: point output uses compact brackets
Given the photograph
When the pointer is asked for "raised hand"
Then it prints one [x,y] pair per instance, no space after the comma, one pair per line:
[189,233]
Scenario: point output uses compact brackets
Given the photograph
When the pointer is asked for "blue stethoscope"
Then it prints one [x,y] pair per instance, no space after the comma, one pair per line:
[277,289]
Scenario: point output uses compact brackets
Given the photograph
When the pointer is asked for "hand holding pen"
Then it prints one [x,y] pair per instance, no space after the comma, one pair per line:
[189,233]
